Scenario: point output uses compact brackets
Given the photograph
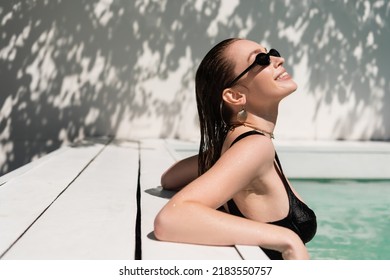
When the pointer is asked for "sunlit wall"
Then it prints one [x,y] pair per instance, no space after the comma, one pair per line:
[72,69]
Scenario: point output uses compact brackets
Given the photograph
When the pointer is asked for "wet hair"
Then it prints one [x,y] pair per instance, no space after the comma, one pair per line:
[212,77]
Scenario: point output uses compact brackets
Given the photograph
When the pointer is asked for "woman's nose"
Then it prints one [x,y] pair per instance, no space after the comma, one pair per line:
[277,61]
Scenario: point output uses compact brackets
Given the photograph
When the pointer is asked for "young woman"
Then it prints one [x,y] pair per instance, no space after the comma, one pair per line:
[239,85]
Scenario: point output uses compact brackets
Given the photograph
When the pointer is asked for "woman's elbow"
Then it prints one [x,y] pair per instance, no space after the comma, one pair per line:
[161,226]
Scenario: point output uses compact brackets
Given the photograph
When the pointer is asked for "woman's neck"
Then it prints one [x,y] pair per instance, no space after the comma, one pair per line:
[265,125]
[266,120]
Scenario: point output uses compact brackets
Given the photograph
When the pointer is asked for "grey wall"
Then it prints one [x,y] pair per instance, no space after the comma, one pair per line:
[76,68]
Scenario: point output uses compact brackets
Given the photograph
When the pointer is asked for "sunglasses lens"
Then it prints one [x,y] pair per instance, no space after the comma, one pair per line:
[262,59]
[274,52]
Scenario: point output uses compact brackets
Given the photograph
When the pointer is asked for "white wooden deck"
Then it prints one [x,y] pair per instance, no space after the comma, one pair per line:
[95,200]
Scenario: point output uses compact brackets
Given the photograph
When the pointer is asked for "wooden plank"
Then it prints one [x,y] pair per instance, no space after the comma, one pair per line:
[24,198]
[95,217]
[251,252]
[25,168]
[155,158]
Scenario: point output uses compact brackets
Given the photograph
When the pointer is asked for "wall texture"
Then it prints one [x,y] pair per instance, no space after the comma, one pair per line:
[71,69]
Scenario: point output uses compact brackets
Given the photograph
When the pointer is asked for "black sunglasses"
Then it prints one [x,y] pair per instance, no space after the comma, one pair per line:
[261,59]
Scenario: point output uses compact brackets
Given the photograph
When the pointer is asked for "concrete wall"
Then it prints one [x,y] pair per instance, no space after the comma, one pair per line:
[78,68]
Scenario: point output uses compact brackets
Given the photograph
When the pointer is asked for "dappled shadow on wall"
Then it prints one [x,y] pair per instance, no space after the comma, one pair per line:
[72,69]
[342,46]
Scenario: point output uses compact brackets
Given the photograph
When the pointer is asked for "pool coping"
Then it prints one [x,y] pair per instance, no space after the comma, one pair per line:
[334,160]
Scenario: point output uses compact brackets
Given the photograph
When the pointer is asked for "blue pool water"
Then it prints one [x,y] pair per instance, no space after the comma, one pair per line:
[353,218]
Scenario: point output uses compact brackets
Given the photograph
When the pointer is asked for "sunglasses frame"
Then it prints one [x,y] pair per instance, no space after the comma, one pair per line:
[262,59]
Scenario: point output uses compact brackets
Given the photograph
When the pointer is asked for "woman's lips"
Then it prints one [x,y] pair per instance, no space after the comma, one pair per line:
[283,76]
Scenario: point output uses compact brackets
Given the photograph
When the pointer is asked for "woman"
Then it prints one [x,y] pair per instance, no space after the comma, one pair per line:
[239,85]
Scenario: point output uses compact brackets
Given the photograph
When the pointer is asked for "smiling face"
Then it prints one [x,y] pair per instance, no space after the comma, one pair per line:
[262,85]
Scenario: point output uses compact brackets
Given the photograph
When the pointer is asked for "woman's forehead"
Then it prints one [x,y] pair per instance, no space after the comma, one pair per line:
[247,45]
[243,49]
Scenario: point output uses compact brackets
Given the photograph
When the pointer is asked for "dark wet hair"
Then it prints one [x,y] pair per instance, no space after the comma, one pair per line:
[212,77]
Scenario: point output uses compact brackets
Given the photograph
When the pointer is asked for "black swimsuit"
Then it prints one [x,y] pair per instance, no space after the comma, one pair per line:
[300,219]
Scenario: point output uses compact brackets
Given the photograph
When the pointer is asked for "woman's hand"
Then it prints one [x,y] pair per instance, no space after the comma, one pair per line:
[294,248]
[180,174]
[298,252]
[296,255]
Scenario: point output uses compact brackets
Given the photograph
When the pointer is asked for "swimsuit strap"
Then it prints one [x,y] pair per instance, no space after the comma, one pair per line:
[290,194]
[245,134]
[283,177]
[278,162]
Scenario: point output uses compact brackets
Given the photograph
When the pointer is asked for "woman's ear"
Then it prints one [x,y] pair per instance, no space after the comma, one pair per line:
[233,97]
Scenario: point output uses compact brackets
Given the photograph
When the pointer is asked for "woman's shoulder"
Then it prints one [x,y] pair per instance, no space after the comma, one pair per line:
[252,137]
[250,144]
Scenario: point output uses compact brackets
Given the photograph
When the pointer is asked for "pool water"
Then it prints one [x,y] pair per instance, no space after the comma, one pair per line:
[353,218]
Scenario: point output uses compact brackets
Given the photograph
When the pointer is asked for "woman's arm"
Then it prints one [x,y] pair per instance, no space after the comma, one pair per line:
[190,216]
[198,224]
[180,174]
